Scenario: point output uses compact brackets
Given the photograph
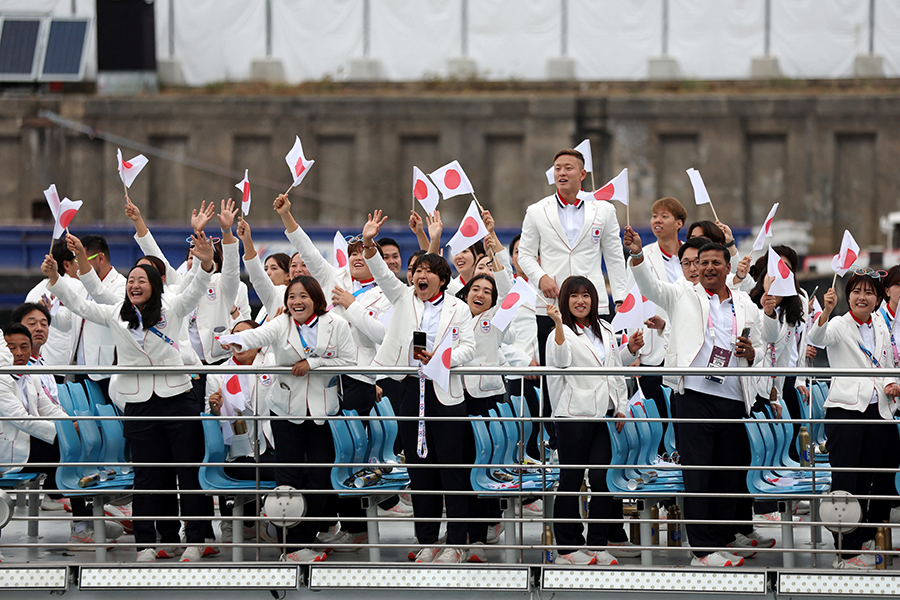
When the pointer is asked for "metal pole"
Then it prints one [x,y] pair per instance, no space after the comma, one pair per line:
[464,29]
[171,28]
[871,27]
[564,27]
[268,28]
[665,28]
[768,28]
[366,32]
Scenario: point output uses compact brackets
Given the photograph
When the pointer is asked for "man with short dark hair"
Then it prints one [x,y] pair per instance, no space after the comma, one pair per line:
[391,250]
[37,319]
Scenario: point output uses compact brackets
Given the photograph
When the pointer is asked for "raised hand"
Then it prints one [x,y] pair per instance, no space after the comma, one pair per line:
[830,300]
[342,297]
[243,231]
[49,269]
[282,204]
[768,304]
[636,341]
[200,218]
[488,220]
[131,210]
[554,314]
[743,267]
[373,227]
[632,240]
[726,231]
[415,223]
[226,214]
[202,249]
[435,225]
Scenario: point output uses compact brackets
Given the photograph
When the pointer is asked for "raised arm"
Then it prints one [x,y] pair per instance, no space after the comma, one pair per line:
[264,287]
[82,307]
[821,334]
[392,287]
[661,293]
[324,272]
[415,225]
[435,230]
[231,262]
[88,277]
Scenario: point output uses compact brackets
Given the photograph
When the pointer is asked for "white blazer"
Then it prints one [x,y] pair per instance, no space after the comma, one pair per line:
[255,401]
[655,342]
[310,395]
[59,349]
[155,352]
[688,309]
[544,237]
[214,308]
[368,331]
[396,350]
[15,436]
[842,338]
[782,336]
[586,395]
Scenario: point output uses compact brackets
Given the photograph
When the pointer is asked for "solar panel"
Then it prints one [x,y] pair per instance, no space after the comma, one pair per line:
[19,48]
[64,57]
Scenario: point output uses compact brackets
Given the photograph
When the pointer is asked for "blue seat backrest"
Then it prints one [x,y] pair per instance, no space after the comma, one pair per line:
[113,436]
[511,432]
[91,440]
[384,409]
[483,446]
[343,452]
[79,397]
[359,436]
[376,439]
[647,442]
[657,428]
[519,407]
[94,393]
[768,439]
[213,441]
[65,399]
[498,439]
[633,441]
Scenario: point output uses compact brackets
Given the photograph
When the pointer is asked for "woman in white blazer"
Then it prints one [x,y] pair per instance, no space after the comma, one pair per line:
[858,340]
[427,308]
[142,326]
[269,289]
[581,405]
[303,337]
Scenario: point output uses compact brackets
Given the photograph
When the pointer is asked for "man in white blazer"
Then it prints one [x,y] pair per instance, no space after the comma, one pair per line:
[563,235]
[714,327]
[427,308]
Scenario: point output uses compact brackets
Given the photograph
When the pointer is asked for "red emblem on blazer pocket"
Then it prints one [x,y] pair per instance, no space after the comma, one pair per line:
[454,333]
[485,326]
[595,235]
[329,354]
[211,293]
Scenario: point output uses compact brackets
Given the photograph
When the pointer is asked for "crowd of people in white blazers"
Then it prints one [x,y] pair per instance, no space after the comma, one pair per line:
[712,309]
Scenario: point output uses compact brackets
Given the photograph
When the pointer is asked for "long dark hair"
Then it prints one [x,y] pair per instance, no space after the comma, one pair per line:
[791,306]
[464,292]
[574,285]
[710,230]
[312,288]
[152,309]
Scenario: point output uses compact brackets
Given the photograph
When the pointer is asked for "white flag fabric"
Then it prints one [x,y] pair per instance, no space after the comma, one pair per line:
[452,180]
[233,403]
[244,186]
[341,254]
[52,197]
[424,191]
[616,189]
[814,315]
[783,278]
[766,230]
[630,315]
[843,260]
[551,179]
[701,196]
[585,148]
[471,229]
[521,293]
[297,162]
[66,212]
[129,169]
[438,368]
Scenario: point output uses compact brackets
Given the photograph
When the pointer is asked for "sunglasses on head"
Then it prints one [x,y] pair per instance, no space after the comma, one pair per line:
[212,240]
[352,239]
[873,273]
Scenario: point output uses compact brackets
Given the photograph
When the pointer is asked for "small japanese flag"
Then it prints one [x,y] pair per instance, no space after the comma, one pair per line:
[616,189]
[843,260]
[452,180]
[631,314]
[424,191]
[232,403]
[521,293]
[129,169]
[52,197]
[297,162]
[244,186]
[470,231]
[585,148]
[438,368]
[782,277]
[67,209]
[551,179]
[814,315]
[701,196]
[341,253]
[766,230]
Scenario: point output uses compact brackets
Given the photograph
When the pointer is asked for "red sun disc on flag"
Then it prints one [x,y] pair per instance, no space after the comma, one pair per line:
[606,192]
[643,298]
[445,357]
[851,258]
[510,300]
[66,218]
[127,164]
[469,227]
[628,304]
[420,191]
[233,385]
[341,258]
[783,269]
[299,167]
[246,194]
[452,179]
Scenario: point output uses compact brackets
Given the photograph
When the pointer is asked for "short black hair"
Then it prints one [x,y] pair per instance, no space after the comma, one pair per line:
[710,230]
[463,294]
[864,281]
[437,265]
[313,289]
[60,253]
[695,242]
[14,328]
[29,307]
[714,247]
[415,256]
[94,243]
[515,239]
[386,241]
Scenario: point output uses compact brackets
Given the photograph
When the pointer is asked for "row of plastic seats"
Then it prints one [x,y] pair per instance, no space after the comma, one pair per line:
[818,393]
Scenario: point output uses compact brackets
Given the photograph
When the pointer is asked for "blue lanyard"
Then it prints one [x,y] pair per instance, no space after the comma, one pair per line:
[163,337]
[306,347]
[890,327]
[869,354]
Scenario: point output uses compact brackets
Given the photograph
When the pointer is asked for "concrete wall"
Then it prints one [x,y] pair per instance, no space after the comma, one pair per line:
[828,159]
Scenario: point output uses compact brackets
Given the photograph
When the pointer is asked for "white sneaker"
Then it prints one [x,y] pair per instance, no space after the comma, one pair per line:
[326,537]
[304,555]
[494,531]
[717,559]
[579,557]
[354,541]
[405,499]
[533,509]
[801,508]
[451,555]
[226,532]
[77,540]
[622,550]
[603,557]
[743,546]
[477,553]
[168,551]
[761,540]
[427,555]
[191,554]
[146,555]
[398,510]
[2,558]
[209,549]
[861,562]
[48,503]
[120,513]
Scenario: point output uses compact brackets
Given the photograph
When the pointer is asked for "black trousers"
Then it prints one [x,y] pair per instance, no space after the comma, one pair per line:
[545,327]
[446,441]
[42,452]
[245,468]
[304,443]
[861,446]
[585,443]
[480,508]
[160,443]
[711,445]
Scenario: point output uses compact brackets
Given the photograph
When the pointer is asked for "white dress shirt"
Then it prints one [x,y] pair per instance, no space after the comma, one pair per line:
[431,317]
[868,335]
[674,271]
[595,341]
[571,216]
[723,326]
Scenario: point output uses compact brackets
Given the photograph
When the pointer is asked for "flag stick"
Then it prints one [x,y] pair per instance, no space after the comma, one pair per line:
[593,185]
[628,215]
[480,207]
[714,210]
[289,189]
[125,187]
[834,281]
[52,239]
